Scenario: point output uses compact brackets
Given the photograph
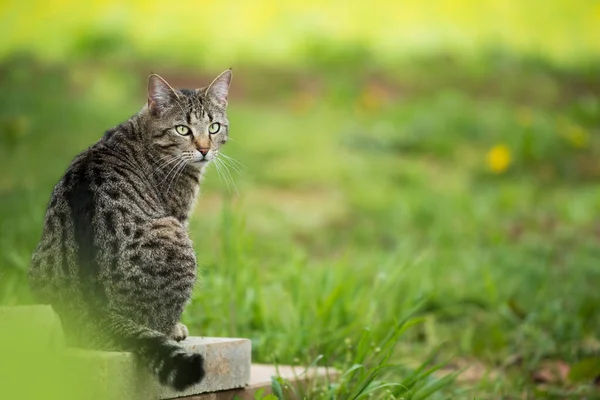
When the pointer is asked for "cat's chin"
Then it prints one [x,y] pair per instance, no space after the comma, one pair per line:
[200,163]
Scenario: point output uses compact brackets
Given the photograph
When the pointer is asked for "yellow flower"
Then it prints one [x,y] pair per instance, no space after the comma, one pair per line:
[577,136]
[498,158]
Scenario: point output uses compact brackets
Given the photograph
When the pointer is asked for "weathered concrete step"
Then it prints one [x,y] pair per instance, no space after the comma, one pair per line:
[261,378]
[227,364]
[116,375]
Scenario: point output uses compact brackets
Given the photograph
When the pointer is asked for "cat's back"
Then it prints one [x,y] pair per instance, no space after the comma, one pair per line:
[55,255]
[102,187]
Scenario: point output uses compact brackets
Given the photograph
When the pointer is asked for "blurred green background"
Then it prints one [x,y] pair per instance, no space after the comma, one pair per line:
[437,159]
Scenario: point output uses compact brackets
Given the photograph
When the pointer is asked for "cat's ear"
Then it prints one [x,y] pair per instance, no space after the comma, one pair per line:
[219,88]
[160,95]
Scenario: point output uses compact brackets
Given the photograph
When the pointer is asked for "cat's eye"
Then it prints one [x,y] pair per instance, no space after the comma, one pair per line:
[214,128]
[182,130]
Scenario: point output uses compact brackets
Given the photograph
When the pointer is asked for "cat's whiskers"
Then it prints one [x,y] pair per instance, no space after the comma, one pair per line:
[227,175]
[179,171]
[175,164]
[161,167]
[165,158]
[186,158]
[235,164]
[218,167]
[221,173]
[168,162]
[230,166]
[180,160]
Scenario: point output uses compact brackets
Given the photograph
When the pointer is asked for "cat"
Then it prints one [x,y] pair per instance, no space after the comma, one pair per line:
[115,260]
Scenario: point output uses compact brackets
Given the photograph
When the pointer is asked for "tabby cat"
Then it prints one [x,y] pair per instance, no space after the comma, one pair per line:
[115,260]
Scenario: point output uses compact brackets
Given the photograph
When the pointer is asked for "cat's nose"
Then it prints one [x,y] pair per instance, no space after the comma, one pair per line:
[204,152]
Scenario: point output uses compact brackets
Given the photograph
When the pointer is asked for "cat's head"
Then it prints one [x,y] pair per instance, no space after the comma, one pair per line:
[188,124]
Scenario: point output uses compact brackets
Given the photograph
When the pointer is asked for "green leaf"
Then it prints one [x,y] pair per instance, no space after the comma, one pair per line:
[276,387]
[259,394]
[435,386]
[419,374]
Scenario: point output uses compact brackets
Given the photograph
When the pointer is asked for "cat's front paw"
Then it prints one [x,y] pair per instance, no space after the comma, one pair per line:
[180,332]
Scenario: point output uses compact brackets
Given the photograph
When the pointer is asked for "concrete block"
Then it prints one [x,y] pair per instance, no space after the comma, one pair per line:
[113,375]
[226,362]
[108,375]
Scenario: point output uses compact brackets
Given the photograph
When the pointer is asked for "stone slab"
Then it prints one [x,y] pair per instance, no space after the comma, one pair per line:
[226,362]
[114,375]
[261,377]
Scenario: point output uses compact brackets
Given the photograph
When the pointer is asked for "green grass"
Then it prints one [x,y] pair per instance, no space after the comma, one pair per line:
[365,198]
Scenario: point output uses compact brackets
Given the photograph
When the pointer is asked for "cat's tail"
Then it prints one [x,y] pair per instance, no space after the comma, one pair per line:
[173,366]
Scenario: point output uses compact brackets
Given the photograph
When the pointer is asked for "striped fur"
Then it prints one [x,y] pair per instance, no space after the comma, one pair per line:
[115,259]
